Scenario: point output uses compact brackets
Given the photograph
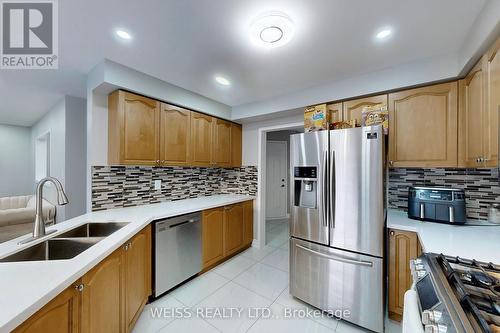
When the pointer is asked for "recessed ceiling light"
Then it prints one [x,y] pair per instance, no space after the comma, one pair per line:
[272,29]
[384,33]
[123,34]
[222,80]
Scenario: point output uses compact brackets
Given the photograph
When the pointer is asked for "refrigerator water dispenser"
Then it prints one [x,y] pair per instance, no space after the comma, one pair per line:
[306,186]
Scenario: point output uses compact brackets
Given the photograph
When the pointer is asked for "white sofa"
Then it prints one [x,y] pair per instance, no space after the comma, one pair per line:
[17,215]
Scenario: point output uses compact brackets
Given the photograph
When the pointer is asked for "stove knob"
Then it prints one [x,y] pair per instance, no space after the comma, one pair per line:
[419,267]
[431,317]
[427,318]
[437,316]
[435,328]
[421,274]
[418,261]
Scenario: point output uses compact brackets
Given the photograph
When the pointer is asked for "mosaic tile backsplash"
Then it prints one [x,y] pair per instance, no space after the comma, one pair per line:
[124,186]
[481,186]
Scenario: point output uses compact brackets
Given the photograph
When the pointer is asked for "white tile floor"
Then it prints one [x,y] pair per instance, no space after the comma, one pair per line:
[256,278]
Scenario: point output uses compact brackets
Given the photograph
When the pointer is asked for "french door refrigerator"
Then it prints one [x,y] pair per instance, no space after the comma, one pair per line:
[338,223]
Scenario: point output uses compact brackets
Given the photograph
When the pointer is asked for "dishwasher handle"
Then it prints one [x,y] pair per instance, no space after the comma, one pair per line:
[182,223]
[177,221]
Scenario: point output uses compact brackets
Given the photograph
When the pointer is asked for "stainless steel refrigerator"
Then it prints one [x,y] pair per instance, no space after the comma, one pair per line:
[338,222]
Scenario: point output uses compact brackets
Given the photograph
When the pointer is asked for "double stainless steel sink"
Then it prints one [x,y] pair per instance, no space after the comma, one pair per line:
[68,244]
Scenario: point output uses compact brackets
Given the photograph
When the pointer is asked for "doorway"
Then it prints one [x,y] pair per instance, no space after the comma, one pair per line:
[277,179]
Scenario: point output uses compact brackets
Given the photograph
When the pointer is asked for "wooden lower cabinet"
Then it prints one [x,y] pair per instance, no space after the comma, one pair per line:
[108,298]
[247,223]
[233,229]
[226,231]
[137,276]
[212,236]
[62,314]
[403,247]
[102,296]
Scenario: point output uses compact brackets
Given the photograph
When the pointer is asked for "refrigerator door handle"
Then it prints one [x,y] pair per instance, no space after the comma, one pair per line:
[335,258]
[325,189]
[333,190]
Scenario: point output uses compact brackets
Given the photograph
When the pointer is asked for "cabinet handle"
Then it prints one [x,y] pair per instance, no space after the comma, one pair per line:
[130,245]
[126,247]
[392,233]
[391,163]
[79,287]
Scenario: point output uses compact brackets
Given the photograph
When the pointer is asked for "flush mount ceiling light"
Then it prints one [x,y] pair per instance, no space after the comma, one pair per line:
[384,33]
[222,80]
[271,29]
[123,34]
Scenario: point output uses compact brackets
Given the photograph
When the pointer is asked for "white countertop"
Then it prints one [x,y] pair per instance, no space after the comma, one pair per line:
[472,242]
[25,287]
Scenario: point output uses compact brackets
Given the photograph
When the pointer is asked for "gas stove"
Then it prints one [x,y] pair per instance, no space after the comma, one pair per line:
[456,294]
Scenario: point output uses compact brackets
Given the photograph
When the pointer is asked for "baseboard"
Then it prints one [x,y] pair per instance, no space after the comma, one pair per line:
[255,243]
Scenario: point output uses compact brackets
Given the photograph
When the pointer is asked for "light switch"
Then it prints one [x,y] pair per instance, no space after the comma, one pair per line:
[158,184]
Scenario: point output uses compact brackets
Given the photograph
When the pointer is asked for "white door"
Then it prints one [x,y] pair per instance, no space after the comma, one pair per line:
[276,179]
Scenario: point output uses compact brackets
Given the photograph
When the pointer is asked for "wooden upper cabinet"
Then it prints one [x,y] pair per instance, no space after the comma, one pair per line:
[471,121]
[403,247]
[201,139]
[102,296]
[137,275]
[236,145]
[62,315]
[175,135]
[212,230]
[423,127]
[133,129]
[353,109]
[233,229]
[221,143]
[492,104]
[335,110]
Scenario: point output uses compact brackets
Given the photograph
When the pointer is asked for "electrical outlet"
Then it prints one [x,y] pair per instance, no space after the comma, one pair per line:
[158,184]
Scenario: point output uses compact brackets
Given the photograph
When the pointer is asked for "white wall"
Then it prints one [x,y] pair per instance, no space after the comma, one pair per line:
[251,135]
[55,123]
[16,161]
[66,122]
[76,155]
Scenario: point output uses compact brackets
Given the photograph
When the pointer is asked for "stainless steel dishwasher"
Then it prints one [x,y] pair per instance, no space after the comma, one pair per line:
[177,251]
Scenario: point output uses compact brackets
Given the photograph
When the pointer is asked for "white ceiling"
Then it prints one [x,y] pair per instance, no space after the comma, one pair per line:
[187,42]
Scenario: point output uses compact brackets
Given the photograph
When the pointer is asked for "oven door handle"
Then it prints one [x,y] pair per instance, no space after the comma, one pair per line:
[336,258]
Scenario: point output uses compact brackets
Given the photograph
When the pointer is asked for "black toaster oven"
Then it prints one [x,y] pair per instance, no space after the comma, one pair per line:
[436,204]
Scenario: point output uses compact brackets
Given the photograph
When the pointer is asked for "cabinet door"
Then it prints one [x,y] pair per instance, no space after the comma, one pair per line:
[335,111]
[354,108]
[236,144]
[247,223]
[233,228]
[62,315]
[102,296]
[212,236]
[222,143]
[492,104]
[175,125]
[423,127]
[471,117]
[403,246]
[137,276]
[201,139]
[138,124]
